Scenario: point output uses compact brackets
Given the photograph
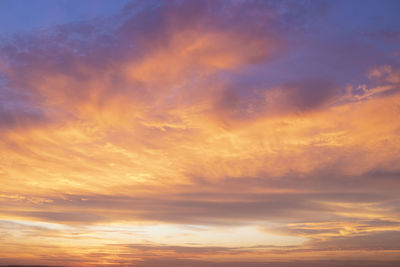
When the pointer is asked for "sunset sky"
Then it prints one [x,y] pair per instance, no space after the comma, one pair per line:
[200,133]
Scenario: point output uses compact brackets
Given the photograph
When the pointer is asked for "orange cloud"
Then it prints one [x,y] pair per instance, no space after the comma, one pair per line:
[156,152]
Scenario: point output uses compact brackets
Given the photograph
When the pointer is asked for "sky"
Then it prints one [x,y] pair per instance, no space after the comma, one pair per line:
[200,133]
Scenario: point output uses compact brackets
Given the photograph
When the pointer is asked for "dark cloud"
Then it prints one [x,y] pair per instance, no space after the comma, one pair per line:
[194,263]
[12,118]
[307,95]
[202,206]
[70,217]
[384,240]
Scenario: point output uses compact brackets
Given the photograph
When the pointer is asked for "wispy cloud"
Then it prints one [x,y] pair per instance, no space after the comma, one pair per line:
[171,132]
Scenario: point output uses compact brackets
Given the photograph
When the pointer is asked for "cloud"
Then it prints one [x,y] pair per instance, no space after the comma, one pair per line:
[301,96]
[385,240]
[204,114]
[256,264]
